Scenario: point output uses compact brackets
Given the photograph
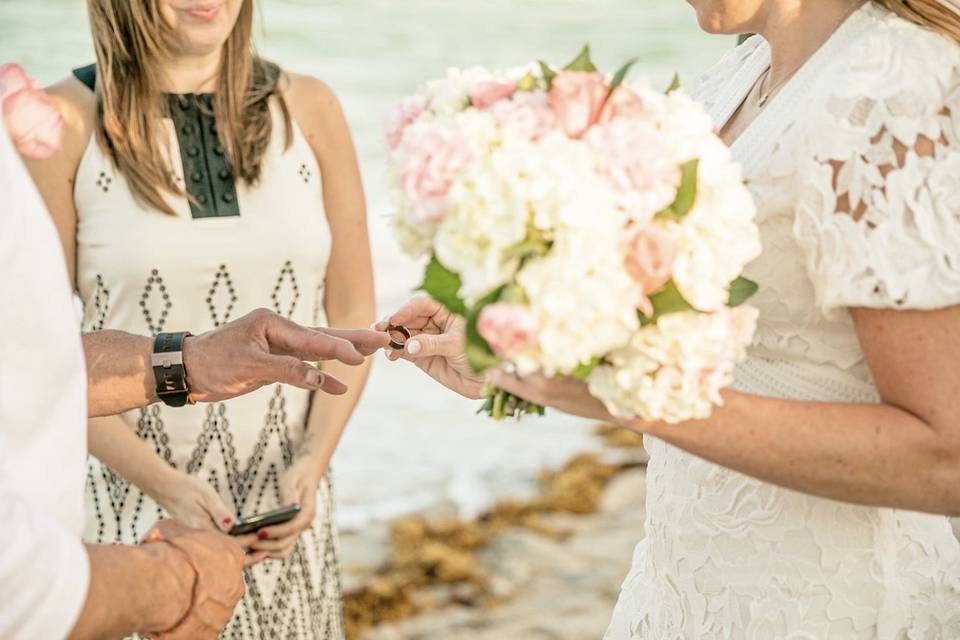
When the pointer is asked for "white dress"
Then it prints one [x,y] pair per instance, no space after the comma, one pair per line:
[727,556]
[143,271]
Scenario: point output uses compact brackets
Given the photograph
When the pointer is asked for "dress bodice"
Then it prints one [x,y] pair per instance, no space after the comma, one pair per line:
[854,167]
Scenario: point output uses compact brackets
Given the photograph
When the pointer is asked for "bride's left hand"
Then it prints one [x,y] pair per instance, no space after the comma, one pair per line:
[568,395]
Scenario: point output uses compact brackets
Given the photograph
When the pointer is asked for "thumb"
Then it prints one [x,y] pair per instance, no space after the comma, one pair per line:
[223,520]
[428,345]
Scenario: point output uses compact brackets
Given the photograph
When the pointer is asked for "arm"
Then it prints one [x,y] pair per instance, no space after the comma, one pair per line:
[902,453]
[349,295]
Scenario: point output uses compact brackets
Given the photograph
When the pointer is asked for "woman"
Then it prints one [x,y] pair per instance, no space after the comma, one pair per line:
[844,116]
[200,182]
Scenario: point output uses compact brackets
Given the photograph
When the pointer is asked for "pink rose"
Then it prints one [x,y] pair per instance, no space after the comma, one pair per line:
[528,116]
[509,329]
[402,116]
[485,94]
[433,159]
[639,162]
[624,103]
[577,98]
[32,119]
[650,256]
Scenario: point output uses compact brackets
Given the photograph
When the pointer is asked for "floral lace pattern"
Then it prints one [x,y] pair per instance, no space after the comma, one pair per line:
[856,170]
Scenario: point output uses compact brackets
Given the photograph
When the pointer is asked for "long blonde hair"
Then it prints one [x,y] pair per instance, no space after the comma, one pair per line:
[132,40]
[933,14]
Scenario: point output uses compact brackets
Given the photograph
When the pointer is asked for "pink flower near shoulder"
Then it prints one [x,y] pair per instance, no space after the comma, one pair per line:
[32,119]
[650,255]
[433,158]
[509,329]
[487,93]
[577,99]
[402,116]
[528,116]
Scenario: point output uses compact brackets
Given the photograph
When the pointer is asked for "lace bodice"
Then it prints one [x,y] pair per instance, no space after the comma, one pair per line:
[855,167]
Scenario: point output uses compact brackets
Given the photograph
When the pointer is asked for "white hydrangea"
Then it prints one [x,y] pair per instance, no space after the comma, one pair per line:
[449,95]
[674,370]
[583,299]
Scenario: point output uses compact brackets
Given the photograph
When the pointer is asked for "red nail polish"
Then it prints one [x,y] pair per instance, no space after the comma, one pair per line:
[227,522]
[262,534]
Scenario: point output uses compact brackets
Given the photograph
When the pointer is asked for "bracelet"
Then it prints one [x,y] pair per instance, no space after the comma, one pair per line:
[168,369]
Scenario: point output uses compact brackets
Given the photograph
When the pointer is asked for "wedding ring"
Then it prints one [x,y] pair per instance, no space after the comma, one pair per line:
[398,337]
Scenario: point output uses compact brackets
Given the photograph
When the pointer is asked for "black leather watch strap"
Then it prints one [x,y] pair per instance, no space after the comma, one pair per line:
[168,369]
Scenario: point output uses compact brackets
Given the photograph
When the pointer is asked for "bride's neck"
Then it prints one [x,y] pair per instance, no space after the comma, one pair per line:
[795,30]
[191,74]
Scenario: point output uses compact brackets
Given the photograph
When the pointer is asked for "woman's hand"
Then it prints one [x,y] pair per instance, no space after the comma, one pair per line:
[298,485]
[436,345]
[194,503]
[564,394]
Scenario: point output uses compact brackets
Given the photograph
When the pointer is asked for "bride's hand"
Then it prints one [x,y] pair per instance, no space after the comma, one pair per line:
[568,395]
[436,345]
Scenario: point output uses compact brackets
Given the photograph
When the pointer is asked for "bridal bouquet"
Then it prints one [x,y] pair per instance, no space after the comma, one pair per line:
[584,226]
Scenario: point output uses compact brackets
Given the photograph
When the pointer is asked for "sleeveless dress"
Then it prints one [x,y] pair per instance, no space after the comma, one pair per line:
[235,249]
[728,556]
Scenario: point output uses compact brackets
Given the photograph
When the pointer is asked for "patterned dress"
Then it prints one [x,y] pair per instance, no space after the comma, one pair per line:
[233,250]
[728,556]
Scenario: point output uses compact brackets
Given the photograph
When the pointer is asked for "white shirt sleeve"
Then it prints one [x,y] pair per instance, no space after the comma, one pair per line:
[44,568]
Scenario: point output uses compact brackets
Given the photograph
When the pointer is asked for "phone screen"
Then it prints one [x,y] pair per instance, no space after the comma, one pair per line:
[261,520]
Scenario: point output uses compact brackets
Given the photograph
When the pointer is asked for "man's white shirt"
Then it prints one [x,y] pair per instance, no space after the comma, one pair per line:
[44,570]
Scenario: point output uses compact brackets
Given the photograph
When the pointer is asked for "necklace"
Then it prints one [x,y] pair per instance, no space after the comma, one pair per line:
[764,95]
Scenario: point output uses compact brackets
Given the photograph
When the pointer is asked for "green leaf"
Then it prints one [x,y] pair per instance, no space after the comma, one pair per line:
[548,73]
[479,354]
[582,62]
[443,286]
[667,300]
[674,84]
[686,194]
[527,83]
[584,370]
[621,75]
[742,290]
[535,245]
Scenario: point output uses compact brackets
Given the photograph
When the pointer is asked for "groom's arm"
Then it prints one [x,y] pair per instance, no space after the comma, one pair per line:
[259,349]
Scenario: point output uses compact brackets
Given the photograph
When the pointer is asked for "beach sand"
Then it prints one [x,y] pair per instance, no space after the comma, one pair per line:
[550,567]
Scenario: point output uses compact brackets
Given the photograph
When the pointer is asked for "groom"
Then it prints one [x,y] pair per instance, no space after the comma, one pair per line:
[181,583]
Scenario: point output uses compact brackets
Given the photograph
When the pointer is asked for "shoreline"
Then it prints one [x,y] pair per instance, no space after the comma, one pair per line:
[550,566]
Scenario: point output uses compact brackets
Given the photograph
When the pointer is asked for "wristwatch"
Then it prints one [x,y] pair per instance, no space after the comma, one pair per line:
[167,362]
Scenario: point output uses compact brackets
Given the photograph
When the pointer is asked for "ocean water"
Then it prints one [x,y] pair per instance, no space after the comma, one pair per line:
[412,444]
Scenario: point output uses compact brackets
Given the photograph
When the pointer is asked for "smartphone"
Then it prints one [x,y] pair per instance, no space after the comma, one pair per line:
[261,520]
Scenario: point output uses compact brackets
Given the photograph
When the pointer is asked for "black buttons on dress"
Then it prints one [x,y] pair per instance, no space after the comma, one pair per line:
[197,177]
[218,149]
[225,174]
[188,129]
[228,198]
[201,198]
[193,152]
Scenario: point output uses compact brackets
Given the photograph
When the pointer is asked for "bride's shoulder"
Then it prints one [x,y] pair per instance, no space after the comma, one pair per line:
[887,55]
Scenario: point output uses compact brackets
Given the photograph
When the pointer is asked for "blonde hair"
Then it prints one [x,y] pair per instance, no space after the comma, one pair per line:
[132,40]
[933,14]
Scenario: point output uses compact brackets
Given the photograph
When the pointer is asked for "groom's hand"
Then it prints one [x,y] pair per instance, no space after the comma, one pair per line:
[263,348]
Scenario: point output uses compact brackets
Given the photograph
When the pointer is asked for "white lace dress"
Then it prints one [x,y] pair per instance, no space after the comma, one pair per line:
[727,556]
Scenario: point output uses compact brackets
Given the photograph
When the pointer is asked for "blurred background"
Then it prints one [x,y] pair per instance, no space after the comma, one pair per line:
[412,447]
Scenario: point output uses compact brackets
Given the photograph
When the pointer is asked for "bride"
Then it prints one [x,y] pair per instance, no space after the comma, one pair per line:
[794,511]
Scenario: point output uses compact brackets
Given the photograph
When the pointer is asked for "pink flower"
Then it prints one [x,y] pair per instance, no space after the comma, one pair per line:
[485,94]
[402,116]
[32,119]
[650,256]
[577,98]
[528,116]
[509,329]
[638,162]
[433,159]
[624,103]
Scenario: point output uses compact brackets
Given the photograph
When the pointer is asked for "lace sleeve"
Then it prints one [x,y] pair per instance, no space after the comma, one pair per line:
[879,210]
